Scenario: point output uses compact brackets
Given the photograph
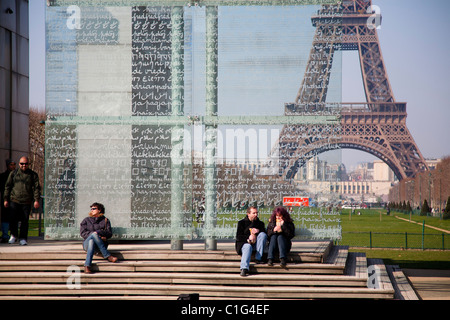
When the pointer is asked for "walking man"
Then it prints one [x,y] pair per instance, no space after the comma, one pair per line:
[22,190]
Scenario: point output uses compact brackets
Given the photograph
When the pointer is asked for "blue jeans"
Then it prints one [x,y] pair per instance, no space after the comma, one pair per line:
[248,248]
[278,241]
[94,244]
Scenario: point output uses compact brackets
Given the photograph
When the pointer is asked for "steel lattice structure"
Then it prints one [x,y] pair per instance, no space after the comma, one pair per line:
[377,126]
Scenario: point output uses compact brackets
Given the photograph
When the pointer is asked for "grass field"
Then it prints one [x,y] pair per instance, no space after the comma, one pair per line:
[375,229]
[392,234]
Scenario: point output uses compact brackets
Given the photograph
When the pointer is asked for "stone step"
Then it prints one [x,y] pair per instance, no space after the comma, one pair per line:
[316,252]
[315,271]
[185,278]
[176,262]
[145,255]
[354,274]
[205,291]
[403,289]
[302,251]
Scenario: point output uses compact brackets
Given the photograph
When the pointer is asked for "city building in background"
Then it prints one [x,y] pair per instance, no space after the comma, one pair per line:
[14,80]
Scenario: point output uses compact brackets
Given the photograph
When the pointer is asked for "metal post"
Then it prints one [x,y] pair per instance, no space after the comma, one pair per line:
[406,240]
[177,138]
[423,235]
[211,130]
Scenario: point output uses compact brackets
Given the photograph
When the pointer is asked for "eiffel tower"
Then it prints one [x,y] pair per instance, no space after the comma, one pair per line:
[377,126]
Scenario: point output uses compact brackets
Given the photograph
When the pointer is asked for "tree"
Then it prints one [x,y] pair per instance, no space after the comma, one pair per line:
[447,210]
[425,208]
[403,205]
[37,141]
[408,207]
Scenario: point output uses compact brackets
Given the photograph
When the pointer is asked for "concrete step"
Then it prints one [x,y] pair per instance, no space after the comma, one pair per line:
[185,278]
[403,289]
[314,271]
[205,291]
[301,252]
[354,275]
[189,261]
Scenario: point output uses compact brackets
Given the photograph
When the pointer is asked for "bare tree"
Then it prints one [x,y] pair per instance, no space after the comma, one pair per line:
[37,141]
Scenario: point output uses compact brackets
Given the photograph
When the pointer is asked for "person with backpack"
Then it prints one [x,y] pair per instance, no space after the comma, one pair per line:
[22,190]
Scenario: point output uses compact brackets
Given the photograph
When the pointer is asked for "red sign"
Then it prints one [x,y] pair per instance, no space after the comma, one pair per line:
[296,201]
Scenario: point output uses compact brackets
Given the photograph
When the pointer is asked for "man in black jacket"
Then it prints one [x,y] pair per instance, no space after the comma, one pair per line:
[22,190]
[250,235]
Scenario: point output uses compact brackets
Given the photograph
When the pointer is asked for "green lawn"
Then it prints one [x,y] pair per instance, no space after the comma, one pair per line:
[414,259]
[390,231]
[371,220]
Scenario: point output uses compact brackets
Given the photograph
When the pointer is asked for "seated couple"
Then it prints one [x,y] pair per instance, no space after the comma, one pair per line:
[251,236]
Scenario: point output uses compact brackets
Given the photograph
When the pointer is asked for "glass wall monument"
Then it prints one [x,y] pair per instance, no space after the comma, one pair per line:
[170,114]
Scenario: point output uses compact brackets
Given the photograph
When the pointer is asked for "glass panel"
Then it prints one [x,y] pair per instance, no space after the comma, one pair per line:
[176,117]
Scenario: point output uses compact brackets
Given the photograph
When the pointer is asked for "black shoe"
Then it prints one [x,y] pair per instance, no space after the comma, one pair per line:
[244,272]
[259,262]
[270,262]
[283,262]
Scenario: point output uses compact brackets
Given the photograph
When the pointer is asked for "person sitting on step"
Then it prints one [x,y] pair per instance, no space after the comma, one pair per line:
[95,230]
[250,235]
[280,231]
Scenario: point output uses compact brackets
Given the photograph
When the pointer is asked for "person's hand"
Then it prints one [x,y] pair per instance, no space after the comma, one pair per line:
[252,238]
[254,230]
[36,204]
[6,204]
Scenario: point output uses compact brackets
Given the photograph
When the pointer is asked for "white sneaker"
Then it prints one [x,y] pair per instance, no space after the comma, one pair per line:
[12,239]
[23,242]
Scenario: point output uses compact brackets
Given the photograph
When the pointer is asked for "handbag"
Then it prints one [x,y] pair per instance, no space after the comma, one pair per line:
[189,296]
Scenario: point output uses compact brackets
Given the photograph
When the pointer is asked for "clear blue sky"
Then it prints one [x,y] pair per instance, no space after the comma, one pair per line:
[414,41]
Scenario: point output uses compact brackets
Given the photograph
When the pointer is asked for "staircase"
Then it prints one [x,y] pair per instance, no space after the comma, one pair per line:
[315,270]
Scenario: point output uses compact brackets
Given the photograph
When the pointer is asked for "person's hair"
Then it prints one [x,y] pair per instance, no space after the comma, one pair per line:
[251,207]
[281,211]
[99,206]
